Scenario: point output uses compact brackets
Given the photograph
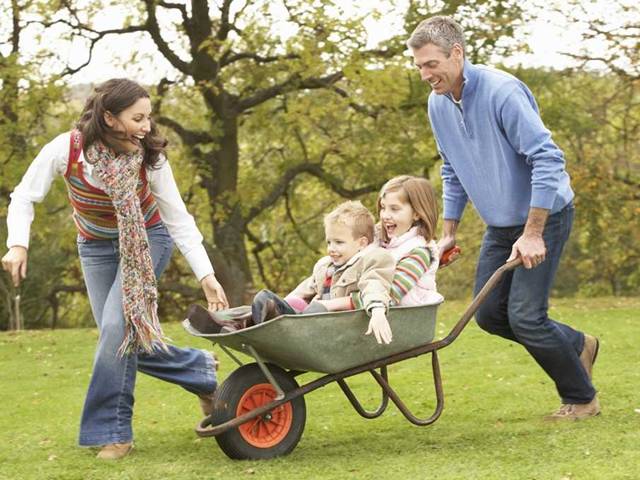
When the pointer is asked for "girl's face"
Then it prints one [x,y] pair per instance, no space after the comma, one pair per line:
[131,125]
[396,215]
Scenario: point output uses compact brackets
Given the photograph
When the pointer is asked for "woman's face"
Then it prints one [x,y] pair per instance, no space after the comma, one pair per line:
[131,125]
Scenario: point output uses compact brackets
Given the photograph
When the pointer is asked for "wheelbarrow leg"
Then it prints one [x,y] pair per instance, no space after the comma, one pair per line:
[437,379]
[358,406]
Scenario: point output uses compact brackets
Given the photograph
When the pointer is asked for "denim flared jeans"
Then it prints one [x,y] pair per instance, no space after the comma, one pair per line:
[108,407]
[517,308]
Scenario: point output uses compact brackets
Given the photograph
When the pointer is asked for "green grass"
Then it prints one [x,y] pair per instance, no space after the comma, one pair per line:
[495,398]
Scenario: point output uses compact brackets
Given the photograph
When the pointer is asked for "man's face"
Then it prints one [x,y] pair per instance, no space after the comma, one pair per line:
[341,245]
[442,72]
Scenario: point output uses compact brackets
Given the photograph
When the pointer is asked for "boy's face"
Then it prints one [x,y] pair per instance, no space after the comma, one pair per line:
[341,245]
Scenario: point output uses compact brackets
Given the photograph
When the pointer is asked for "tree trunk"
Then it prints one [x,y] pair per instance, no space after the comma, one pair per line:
[229,254]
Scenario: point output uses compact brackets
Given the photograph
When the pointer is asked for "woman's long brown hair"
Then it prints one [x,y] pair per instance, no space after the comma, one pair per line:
[114,96]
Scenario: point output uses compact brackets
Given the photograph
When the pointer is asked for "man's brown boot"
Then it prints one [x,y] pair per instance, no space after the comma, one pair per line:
[589,353]
[576,411]
[115,451]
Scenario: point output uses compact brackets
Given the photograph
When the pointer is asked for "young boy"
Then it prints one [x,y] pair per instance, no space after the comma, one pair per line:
[355,274]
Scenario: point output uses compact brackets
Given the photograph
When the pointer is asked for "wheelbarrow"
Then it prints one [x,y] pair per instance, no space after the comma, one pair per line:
[259,410]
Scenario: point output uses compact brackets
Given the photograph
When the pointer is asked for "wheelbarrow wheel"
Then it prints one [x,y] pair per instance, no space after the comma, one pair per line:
[272,434]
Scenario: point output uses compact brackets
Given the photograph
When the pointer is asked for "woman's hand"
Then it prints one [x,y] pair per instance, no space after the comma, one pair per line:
[213,291]
[15,262]
[379,326]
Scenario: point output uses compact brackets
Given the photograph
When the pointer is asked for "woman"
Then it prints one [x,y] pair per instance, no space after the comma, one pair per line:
[128,212]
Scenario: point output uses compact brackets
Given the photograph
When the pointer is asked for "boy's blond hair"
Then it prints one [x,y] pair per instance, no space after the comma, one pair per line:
[354,216]
[419,194]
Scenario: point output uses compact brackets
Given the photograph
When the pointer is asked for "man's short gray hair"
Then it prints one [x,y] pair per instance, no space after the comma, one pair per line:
[439,30]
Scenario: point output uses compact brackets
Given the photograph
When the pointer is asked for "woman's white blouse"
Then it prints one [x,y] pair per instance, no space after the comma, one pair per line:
[52,160]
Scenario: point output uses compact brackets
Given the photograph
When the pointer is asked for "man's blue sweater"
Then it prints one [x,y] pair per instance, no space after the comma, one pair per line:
[496,151]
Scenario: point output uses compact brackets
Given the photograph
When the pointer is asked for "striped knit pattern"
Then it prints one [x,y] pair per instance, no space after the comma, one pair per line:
[408,272]
[93,211]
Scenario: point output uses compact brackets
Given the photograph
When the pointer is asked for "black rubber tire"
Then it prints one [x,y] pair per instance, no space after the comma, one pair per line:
[227,398]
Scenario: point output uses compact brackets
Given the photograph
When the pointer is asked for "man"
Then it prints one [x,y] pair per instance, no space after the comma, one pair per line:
[497,153]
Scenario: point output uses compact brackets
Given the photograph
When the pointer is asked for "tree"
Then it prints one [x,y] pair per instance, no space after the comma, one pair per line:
[26,98]
[231,55]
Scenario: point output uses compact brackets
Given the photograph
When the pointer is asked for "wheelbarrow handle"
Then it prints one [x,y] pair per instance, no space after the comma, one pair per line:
[478,299]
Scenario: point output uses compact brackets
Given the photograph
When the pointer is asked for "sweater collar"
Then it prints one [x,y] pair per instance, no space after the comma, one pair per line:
[469,80]
[408,235]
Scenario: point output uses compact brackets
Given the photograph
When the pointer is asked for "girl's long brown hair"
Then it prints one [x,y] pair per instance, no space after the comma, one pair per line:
[418,193]
[114,96]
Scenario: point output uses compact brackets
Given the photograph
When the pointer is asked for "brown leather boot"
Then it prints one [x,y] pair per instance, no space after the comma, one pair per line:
[201,319]
[269,310]
[115,451]
[206,403]
[589,353]
[576,411]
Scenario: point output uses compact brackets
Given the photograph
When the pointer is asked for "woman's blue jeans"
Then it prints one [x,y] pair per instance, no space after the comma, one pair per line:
[517,307]
[108,407]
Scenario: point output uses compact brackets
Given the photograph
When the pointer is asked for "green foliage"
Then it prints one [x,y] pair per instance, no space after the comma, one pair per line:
[304,150]
[595,119]
[495,398]
[30,116]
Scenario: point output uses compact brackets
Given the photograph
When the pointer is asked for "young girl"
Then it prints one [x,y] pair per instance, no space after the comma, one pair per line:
[408,214]
[128,211]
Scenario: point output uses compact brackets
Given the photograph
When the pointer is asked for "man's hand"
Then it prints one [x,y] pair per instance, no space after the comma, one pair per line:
[213,291]
[379,326]
[15,262]
[448,240]
[530,246]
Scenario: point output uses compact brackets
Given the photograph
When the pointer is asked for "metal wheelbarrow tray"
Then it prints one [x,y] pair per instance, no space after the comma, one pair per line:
[259,410]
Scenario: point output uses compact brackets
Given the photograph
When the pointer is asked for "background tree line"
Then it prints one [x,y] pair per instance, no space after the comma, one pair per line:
[269,132]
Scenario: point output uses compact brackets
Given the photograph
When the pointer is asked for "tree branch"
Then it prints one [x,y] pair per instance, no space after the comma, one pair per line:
[188,137]
[177,6]
[314,169]
[153,28]
[291,84]
[228,58]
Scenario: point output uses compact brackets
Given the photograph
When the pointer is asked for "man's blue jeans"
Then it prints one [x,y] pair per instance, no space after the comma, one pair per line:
[108,407]
[517,308]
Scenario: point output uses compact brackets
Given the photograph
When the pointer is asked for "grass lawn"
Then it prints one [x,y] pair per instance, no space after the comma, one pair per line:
[491,427]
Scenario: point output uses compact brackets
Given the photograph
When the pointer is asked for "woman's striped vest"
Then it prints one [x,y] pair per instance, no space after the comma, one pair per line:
[93,211]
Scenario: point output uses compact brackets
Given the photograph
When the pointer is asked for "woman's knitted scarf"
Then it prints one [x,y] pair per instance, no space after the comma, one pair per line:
[119,175]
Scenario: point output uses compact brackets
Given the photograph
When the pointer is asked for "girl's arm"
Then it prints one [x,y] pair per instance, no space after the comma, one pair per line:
[408,272]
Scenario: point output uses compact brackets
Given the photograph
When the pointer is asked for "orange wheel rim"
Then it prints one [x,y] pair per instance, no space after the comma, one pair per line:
[270,428]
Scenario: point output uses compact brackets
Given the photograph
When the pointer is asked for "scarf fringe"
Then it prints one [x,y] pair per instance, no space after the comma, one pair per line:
[120,175]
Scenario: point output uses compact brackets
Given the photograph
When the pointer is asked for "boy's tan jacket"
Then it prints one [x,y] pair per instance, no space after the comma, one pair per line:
[369,272]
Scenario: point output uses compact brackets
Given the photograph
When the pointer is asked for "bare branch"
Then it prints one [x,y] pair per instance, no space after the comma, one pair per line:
[334,182]
[153,28]
[296,227]
[229,58]
[161,92]
[188,137]
[93,41]
[177,6]
[225,25]
[291,84]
